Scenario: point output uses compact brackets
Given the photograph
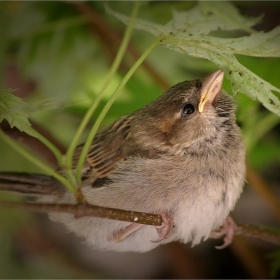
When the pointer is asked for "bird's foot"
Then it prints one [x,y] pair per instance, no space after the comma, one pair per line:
[165,228]
[226,230]
[120,235]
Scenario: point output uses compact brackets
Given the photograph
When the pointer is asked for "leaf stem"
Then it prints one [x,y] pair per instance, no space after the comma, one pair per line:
[112,71]
[37,161]
[109,104]
[47,143]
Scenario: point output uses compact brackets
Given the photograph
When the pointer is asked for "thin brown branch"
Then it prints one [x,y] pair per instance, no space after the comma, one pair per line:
[258,233]
[82,210]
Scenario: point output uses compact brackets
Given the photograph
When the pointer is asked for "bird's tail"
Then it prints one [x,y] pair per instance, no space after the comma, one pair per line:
[29,184]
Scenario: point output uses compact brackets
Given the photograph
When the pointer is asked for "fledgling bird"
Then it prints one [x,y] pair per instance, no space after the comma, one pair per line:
[181,156]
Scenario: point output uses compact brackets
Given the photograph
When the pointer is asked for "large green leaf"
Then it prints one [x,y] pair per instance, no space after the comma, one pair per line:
[216,31]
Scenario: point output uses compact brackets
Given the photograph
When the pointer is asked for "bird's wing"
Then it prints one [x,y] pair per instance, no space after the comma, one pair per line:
[30,184]
[108,148]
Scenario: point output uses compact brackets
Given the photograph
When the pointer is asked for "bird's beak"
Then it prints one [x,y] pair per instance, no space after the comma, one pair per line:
[211,86]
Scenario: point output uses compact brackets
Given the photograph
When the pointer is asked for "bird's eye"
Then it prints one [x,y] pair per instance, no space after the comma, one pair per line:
[188,109]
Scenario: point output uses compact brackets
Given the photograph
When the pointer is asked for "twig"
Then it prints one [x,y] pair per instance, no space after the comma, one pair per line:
[257,233]
[82,210]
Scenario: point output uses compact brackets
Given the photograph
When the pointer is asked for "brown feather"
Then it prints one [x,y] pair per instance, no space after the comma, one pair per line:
[108,148]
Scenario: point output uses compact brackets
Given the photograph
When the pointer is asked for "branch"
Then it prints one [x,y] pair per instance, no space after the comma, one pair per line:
[82,210]
[257,233]
[85,209]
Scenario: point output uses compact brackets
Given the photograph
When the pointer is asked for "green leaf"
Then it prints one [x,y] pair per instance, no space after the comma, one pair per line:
[14,110]
[222,11]
[258,44]
[192,32]
[200,20]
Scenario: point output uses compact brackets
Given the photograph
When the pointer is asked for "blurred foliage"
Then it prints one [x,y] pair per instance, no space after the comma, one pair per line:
[275,263]
[50,44]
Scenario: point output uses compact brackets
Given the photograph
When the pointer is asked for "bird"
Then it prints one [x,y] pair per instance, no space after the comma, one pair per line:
[182,156]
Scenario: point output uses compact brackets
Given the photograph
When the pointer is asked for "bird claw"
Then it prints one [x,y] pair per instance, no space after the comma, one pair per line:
[120,235]
[164,229]
[226,230]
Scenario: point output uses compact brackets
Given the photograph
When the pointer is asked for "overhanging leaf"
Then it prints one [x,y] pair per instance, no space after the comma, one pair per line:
[17,112]
[223,11]
[192,32]
[14,110]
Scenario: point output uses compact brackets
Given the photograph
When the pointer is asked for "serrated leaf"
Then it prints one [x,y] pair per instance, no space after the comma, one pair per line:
[14,110]
[199,20]
[222,11]
[258,44]
[192,32]
[17,112]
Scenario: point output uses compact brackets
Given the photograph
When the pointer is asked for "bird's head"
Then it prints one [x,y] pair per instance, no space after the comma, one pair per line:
[189,112]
